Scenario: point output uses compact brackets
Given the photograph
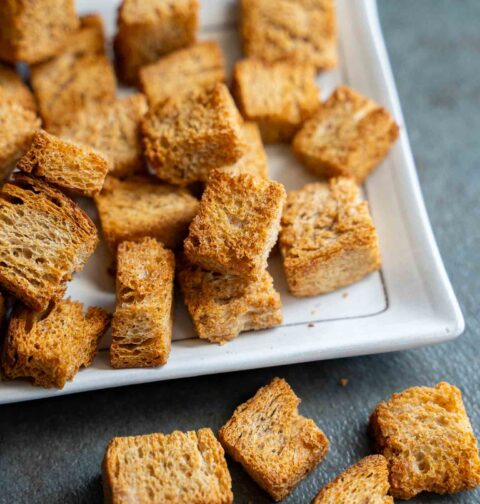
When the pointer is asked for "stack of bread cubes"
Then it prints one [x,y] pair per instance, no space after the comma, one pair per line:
[179,176]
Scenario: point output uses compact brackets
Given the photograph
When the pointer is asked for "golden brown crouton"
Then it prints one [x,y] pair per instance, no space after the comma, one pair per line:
[297,30]
[222,306]
[44,238]
[34,31]
[51,347]
[254,158]
[278,96]
[143,318]
[178,468]
[237,224]
[275,444]
[75,168]
[148,29]
[13,88]
[112,129]
[188,137]
[428,441]
[366,482]
[142,206]
[348,135]
[89,38]
[17,126]
[198,66]
[328,239]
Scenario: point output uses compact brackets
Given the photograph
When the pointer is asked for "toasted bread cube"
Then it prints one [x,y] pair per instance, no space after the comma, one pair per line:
[328,239]
[276,445]
[51,347]
[364,482]
[348,135]
[143,318]
[44,238]
[134,208]
[301,30]
[237,224]
[428,441]
[35,31]
[75,168]
[149,29]
[178,468]
[13,88]
[278,96]
[188,137]
[222,306]
[113,129]
[89,38]
[17,125]
[199,66]
[254,158]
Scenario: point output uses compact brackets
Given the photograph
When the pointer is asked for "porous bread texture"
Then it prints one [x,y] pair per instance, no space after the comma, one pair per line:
[237,224]
[186,138]
[366,482]
[51,347]
[34,31]
[275,444]
[75,168]
[149,29]
[428,441]
[17,125]
[222,306]
[13,88]
[348,135]
[254,158]
[143,318]
[198,66]
[278,96]
[113,129]
[180,468]
[134,208]
[44,238]
[303,31]
[327,239]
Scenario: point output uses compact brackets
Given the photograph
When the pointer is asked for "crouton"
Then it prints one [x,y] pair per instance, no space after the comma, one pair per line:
[428,441]
[113,129]
[149,29]
[188,137]
[198,66]
[278,96]
[303,31]
[35,31]
[275,444]
[74,168]
[328,239]
[364,482]
[180,468]
[89,38]
[348,135]
[222,306]
[44,238]
[237,224]
[17,125]
[50,347]
[134,208]
[13,88]
[143,318]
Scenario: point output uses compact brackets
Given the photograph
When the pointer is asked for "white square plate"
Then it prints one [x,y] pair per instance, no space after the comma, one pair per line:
[409,303]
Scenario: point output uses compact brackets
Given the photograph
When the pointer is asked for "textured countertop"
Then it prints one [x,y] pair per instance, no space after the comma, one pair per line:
[51,450]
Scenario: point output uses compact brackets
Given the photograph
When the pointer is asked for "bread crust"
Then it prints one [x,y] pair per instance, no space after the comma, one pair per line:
[428,441]
[328,239]
[181,468]
[13,88]
[275,444]
[349,135]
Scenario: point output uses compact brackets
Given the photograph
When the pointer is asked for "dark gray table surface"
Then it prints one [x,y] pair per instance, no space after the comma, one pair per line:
[51,450]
